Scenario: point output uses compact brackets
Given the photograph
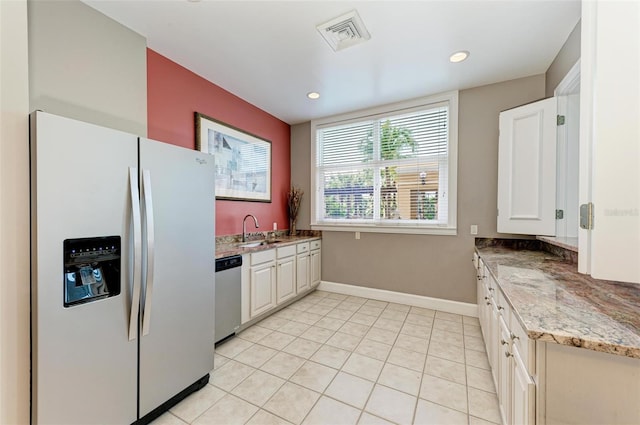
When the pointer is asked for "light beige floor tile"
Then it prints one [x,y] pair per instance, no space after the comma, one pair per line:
[350,389]
[229,410]
[447,325]
[480,379]
[467,320]
[444,392]
[258,387]
[316,296]
[356,300]
[446,350]
[416,330]
[477,421]
[472,330]
[320,309]
[382,335]
[407,358]
[370,310]
[354,329]
[230,375]
[254,333]
[301,305]
[331,356]
[335,296]
[400,378]
[262,417]
[391,404]
[363,319]
[329,302]
[308,318]
[219,360]
[349,306]
[449,316]
[314,376]
[474,343]
[447,337]
[197,403]
[420,320]
[412,343]
[294,328]
[393,315]
[233,347]
[256,355]
[338,313]
[376,303]
[288,313]
[283,365]
[446,369]
[477,359]
[344,341]
[362,366]
[373,349]
[330,323]
[423,311]
[292,402]
[277,340]
[317,334]
[302,348]
[329,411]
[168,419]
[273,323]
[369,419]
[398,307]
[428,413]
[483,405]
[388,324]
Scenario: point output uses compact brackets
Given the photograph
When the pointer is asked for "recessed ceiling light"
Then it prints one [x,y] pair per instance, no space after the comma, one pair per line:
[459,56]
[313,95]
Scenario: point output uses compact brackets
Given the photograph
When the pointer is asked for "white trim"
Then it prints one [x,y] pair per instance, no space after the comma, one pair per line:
[439,304]
[570,82]
[412,230]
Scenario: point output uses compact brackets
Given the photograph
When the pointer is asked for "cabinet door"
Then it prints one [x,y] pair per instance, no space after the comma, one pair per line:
[302,272]
[527,169]
[504,381]
[285,280]
[316,263]
[263,295]
[523,392]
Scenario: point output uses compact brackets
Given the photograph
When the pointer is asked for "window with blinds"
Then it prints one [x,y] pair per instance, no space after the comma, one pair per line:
[393,168]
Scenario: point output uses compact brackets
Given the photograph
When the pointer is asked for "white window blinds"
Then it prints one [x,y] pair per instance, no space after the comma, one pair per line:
[391,169]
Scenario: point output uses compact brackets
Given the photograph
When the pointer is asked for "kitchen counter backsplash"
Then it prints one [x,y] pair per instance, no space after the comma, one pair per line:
[555,303]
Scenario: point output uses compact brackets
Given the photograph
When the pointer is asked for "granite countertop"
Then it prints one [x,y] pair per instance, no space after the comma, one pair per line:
[555,303]
[233,248]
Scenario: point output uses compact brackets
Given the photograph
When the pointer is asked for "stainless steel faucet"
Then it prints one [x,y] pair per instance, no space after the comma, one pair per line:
[244,225]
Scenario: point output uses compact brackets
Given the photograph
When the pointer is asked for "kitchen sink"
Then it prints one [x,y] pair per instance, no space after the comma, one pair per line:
[253,244]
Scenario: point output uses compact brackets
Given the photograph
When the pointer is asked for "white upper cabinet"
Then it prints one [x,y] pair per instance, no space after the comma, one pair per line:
[527,169]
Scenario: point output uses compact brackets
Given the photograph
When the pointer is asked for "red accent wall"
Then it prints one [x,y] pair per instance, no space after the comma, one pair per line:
[173,95]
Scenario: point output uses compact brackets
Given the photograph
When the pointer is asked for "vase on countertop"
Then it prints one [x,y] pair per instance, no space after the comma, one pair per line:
[292,228]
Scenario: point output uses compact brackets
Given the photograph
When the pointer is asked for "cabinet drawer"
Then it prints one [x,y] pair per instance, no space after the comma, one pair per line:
[263,256]
[316,244]
[525,345]
[286,251]
[303,247]
[503,306]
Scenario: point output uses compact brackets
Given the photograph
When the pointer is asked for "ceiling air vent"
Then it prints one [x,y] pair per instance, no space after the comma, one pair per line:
[344,31]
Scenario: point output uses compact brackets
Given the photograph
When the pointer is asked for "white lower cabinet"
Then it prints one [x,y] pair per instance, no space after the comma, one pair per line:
[302,272]
[262,287]
[315,266]
[285,274]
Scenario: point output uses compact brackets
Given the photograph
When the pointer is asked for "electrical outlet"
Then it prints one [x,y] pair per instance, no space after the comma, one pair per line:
[474,229]
[357,235]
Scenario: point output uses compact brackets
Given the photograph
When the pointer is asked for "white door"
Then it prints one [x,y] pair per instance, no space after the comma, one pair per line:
[316,266]
[527,169]
[286,279]
[177,338]
[263,296]
[302,272]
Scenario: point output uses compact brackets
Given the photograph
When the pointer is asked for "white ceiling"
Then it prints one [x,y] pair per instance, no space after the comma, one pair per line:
[270,54]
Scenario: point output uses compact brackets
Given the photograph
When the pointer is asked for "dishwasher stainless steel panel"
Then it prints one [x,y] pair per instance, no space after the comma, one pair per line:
[227,297]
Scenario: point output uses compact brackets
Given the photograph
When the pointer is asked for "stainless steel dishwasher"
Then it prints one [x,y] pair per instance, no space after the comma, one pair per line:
[227,297]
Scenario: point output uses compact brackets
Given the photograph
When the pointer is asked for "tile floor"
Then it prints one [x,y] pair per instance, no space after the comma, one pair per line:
[336,360]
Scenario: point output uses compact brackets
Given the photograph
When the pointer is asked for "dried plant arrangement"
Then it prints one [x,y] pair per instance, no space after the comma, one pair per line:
[294,198]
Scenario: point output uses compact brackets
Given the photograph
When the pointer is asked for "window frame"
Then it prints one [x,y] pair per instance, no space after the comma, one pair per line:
[450,228]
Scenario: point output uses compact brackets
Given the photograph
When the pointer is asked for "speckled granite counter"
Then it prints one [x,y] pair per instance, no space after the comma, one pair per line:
[233,248]
[554,303]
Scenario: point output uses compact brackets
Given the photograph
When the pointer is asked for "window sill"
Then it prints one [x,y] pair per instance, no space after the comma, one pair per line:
[443,231]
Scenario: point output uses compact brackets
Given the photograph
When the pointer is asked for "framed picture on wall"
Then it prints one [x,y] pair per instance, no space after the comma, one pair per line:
[243,161]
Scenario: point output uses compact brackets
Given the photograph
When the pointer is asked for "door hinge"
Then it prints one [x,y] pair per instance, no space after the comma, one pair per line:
[560,119]
[586,216]
[559,214]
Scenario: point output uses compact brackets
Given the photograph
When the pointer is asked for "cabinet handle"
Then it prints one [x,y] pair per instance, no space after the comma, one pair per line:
[500,308]
[503,342]
[492,289]
[514,336]
[486,298]
[488,303]
[508,354]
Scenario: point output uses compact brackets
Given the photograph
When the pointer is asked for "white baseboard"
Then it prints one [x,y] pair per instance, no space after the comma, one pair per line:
[439,304]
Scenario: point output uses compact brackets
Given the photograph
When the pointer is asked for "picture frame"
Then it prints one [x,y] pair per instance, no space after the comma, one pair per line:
[242,160]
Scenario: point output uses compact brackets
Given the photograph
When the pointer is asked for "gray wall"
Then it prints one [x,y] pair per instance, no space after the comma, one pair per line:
[564,60]
[434,266]
[86,66]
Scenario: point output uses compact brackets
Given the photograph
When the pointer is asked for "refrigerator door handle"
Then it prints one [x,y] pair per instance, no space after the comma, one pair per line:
[148,203]
[137,253]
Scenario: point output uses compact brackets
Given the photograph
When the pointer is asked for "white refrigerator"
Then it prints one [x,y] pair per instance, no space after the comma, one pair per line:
[122,273]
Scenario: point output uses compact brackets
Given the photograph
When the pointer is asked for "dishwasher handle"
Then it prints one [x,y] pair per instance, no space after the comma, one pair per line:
[227,263]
